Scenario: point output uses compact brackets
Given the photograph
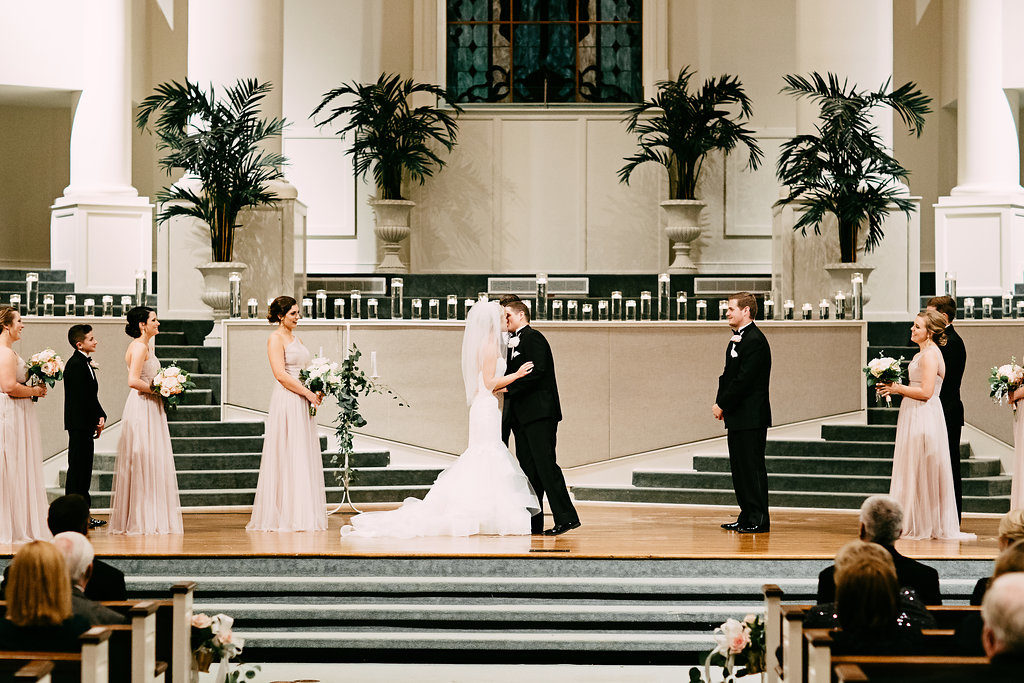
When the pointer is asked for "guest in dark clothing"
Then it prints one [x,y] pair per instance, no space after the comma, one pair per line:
[71,513]
[39,603]
[78,557]
[968,631]
[1011,530]
[876,616]
[881,522]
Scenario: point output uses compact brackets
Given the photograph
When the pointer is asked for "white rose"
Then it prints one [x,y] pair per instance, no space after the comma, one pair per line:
[172,372]
[49,368]
[165,392]
[158,380]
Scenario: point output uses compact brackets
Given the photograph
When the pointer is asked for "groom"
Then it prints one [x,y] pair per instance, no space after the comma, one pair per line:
[532,413]
[742,402]
[83,416]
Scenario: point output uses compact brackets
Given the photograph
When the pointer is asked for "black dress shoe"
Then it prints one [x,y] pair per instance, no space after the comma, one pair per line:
[752,529]
[562,528]
[93,522]
[731,526]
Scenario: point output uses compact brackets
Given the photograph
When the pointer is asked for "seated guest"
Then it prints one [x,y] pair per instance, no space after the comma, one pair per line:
[968,631]
[78,557]
[876,616]
[881,522]
[71,513]
[1011,530]
[39,614]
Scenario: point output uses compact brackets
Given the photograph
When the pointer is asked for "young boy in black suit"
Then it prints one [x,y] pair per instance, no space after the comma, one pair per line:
[83,416]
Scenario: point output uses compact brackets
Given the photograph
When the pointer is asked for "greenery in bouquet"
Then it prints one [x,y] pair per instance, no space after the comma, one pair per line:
[214,640]
[1004,380]
[172,383]
[739,650]
[45,367]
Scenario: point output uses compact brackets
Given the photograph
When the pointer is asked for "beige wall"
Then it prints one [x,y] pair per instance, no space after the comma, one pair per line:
[989,343]
[41,333]
[624,388]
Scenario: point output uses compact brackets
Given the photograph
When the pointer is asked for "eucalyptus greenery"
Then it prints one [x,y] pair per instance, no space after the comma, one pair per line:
[678,129]
[845,167]
[390,137]
[219,141]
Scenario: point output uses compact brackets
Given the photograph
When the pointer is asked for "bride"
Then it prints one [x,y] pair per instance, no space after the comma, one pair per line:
[484,491]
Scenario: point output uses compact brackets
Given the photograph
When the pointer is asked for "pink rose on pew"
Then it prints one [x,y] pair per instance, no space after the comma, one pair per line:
[201,621]
[732,636]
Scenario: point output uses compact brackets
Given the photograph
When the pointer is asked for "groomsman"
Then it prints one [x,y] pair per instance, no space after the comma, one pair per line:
[742,403]
[83,416]
[954,353]
[505,300]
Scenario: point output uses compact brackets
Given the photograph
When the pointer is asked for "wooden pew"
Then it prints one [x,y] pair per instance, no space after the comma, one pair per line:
[866,669]
[772,629]
[37,671]
[91,664]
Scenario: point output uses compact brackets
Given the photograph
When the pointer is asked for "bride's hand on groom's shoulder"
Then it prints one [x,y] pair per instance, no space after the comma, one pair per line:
[524,369]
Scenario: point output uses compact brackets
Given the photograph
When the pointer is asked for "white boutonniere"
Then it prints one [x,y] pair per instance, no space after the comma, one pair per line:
[513,342]
[736,338]
[93,364]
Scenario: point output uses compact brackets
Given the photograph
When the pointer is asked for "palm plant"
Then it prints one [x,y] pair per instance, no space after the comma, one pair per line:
[845,168]
[392,138]
[678,129]
[218,141]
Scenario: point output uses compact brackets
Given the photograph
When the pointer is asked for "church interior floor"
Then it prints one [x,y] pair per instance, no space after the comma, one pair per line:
[609,531]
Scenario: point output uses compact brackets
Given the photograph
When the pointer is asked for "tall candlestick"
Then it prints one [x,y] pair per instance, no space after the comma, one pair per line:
[397,291]
[542,296]
[321,303]
[664,293]
[140,287]
[950,285]
[235,295]
[857,281]
[616,305]
[32,294]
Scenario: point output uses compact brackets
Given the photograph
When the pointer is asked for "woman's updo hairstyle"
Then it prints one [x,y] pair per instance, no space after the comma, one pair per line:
[7,315]
[935,323]
[137,316]
[279,307]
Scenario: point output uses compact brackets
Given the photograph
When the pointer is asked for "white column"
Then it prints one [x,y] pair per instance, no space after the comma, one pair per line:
[101,229]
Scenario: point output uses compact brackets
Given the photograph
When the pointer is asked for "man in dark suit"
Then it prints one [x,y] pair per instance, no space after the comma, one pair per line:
[79,559]
[742,403]
[881,522]
[532,413]
[71,513]
[505,300]
[954,353]
[83,415]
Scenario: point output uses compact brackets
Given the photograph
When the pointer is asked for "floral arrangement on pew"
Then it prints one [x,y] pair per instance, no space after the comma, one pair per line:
[1004,380]
[45,367]
[884,370]
[212,637]
[740,650]
[171,383]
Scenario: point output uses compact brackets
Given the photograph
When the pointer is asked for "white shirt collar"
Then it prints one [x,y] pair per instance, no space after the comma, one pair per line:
[739,330]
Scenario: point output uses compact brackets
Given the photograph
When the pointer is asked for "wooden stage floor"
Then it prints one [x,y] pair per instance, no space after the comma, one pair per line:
[609,531]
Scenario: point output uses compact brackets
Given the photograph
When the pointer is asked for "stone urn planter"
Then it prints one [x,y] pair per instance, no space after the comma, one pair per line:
[839,279]
[682,225]
[392,226]
[215,285]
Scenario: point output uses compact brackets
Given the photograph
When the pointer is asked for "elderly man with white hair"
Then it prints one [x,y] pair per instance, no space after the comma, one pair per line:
[78,556]
[881,522]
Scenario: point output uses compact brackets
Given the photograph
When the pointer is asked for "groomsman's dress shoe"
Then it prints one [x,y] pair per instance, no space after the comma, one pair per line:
[752,529]
[731,526]
[562,528]
[93,522]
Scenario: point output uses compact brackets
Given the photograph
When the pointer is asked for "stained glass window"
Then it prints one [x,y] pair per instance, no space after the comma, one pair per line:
[544,50]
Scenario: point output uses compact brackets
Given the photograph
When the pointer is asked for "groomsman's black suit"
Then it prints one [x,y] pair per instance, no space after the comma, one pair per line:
[531,413]
[954,353]
[82,413]
[743,398]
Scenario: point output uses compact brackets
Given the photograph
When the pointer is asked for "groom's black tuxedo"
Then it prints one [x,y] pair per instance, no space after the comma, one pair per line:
[82,413]
[531,413]
[954,354]
[746,409]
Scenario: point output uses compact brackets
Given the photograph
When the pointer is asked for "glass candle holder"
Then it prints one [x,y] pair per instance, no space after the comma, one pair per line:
[417,309]
[840,302]
[339,309]
[602,310]
[571,310]
[252,307]
[616,305]
[969,308]
[435,309]
[664,294]
[108,306]
[806,311]
[321,303]
[89,307]
[950,285]
[48,304]
[126,305]
[372,309]
[723,306]
[588,311]
[630,309]
[466,305]
[15,302]
[769,309]
[823,309]
[682,306]
[452,308]
[986,307]
[857,282]
[234,295]
[357,304]
[140,287]
[307,308]
[31,293]
[645,305]
[787,309]
[529,306]
[1020,309]
[1007,309]
[556,309]
[70,304]
[542,296]
[702,309]
[397,290]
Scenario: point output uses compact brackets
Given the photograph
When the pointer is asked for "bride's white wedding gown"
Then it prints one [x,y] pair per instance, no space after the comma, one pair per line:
[483,492]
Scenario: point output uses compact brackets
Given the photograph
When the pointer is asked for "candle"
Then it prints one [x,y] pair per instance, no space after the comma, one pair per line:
[126,304]
[986,307]
[1020,309]
[307,308]
[70,304]
[556,309]
[858,295]
[630,309]
[452,308]
[88,306]
[466,305]
[140,287]
[969,307]
[357,304]
[702,309]
[616,305]
[682,306]
[397,289]
[950,286]
[602,310]
[1007,304]
[321,303]
[435,309]
[840,306]
[108,306]
[339,309]
[806,311]
[823,309]
[723,306]
[588,311]
[787,309]
[234,295]
[48,304]
[645,305]
[371,309]
[32,293]
[348,339]
[252,308]
[664,293]
[571,309]
[769,309]
[417,309]
[542,296]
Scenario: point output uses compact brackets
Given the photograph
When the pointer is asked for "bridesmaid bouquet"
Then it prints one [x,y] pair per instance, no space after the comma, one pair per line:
[321,377]
[172,382]
[1004,380]
[45,367]
[884,370]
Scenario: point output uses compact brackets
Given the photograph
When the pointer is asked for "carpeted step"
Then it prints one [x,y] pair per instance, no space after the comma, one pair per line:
[212,497]
[189,365]
[102,481]
[838,466]
[45,275]
[842,449]
[889,334]
[885,433]
[883,415]
[189,413]
[196,397]
[222,444]
[215,428]
[209,356]
[243,461]
[167,338]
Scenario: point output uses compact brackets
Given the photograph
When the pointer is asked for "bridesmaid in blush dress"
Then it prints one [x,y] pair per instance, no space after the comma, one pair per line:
[145,497]
[290,495]
[22,491]
[1017,485]
[922,480]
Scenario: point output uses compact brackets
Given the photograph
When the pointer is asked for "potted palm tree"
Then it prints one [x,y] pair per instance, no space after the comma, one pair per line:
[392,140]
[678,129]
[844,168]
[218,141]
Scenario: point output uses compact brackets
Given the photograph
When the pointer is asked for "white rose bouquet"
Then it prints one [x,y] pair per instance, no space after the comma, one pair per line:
[1004,380]
[212,637]
[884,370]
[45,367]
[321,377]
[739,650]
[171,383]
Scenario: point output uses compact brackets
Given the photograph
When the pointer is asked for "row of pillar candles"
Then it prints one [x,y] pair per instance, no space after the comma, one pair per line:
[30,305]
